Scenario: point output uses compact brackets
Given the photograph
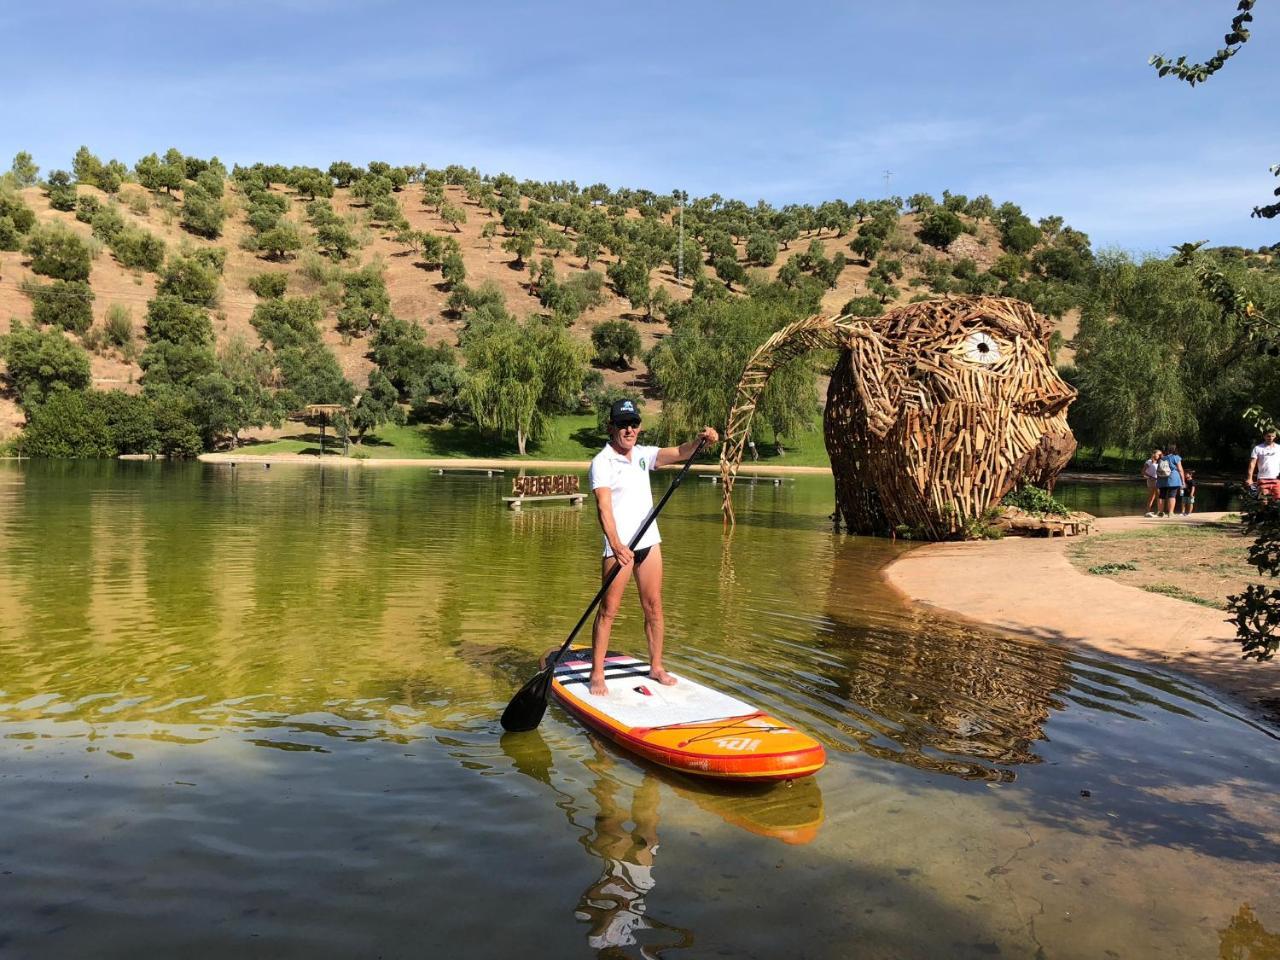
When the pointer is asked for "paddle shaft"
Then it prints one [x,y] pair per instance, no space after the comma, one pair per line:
[617,567]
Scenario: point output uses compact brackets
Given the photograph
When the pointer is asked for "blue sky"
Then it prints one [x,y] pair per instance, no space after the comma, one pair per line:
[1051,106]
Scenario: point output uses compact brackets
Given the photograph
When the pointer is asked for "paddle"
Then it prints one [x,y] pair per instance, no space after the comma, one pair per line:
[526,708]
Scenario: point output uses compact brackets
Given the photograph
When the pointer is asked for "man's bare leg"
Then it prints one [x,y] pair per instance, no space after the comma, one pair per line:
[602,627]
[649,582]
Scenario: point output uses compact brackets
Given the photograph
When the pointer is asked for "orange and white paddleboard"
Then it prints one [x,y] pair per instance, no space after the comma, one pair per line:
[686,726]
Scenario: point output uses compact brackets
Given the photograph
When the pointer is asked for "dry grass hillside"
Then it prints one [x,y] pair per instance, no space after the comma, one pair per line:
[417,293]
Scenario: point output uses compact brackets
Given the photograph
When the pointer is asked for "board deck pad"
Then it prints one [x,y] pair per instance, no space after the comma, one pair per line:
[636,700]
[686,725]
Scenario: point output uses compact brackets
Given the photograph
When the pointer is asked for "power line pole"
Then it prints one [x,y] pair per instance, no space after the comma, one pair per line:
[680,196]
[887,175]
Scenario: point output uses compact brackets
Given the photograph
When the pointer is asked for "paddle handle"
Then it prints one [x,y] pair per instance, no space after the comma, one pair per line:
[617,567]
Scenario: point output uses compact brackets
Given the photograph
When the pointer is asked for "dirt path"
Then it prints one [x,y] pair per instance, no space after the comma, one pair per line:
[1029,587]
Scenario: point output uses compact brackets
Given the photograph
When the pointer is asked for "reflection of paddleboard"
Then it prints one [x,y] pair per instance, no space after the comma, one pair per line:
[687,726]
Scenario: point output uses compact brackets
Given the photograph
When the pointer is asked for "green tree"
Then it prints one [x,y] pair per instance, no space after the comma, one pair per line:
[281,240]
[86,167]
[617,343]
[519,375]
[67,304]
[311,183]
[24,170]
[697,367]
[288,321]
[60,191]
[190,280]
[730,271]
[453,215]
[202,214]
[376,406]
[364,301]
[939,228]
[762,249]
[521,245]
[41,363]
[335,239]
[245,397]
[138,249]
[57,252]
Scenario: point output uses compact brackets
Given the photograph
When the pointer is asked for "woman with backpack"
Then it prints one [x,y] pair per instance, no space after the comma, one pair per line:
[1169,480]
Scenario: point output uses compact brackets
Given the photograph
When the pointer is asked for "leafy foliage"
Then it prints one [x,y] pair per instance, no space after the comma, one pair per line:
[1036,501]
[57,252]
[42,363]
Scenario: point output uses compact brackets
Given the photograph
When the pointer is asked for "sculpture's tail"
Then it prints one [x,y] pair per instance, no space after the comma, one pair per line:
[792,341]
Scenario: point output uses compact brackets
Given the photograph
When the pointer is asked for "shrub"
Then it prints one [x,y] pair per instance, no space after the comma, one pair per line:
[1035,500]
[67,426]
[138,249]
[16,210]
[107,222]
[10,238]
[139,203]
[269,286]
[118,327]
[64,303]
[190,281]
[57,252]
[86,206]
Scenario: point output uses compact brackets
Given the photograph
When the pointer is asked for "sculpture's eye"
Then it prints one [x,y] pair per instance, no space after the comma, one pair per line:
[981,348]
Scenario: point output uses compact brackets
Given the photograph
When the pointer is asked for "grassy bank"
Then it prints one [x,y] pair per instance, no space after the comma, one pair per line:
[1201,564]
[570,438]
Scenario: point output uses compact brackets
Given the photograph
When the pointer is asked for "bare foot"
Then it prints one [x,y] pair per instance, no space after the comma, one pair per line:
[597,685]
[664,678]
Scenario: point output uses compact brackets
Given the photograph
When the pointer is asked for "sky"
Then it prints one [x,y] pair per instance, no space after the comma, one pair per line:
[1049,105]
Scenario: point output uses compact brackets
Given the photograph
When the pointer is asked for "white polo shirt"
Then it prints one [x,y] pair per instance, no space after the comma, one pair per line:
[628,480]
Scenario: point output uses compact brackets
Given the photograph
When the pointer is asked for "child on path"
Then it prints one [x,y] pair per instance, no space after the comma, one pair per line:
[1189,493]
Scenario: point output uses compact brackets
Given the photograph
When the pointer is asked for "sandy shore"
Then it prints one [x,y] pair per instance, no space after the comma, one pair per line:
[1029,587]
[510,466]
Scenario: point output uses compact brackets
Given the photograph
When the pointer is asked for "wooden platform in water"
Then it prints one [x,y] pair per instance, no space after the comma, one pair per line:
[515,503]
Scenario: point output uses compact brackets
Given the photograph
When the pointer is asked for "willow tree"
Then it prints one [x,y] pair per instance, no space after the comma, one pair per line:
[520,375]
[697,367]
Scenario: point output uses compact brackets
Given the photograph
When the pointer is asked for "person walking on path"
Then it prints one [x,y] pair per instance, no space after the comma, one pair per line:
[1149,475]
[1264,464]
[620,482]
[1169,480]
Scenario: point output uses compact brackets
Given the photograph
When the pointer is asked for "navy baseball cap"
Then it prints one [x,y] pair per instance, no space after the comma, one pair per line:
[623,412]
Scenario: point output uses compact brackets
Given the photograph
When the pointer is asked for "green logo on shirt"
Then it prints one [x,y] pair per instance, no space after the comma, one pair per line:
[642,466]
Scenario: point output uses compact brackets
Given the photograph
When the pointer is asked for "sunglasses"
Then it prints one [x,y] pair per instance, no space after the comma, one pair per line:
[627,426]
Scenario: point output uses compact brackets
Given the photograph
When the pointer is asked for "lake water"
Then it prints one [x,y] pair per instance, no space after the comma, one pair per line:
[253,713]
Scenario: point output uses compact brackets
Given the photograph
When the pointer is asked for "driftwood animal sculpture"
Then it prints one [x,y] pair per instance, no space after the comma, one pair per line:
[935,411]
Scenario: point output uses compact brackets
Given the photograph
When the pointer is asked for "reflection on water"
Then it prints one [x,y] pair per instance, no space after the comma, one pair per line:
[1244,938]
[272,696]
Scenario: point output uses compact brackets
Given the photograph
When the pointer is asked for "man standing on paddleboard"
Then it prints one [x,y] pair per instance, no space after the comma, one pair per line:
[620,482]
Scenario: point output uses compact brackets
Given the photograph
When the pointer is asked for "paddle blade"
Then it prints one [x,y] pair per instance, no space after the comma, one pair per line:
[526,708]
